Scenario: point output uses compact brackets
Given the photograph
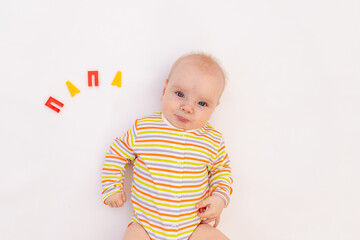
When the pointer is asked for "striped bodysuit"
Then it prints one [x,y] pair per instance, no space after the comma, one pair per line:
[174,169]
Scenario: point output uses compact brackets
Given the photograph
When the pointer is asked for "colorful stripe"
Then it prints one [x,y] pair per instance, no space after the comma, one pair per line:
[173,170]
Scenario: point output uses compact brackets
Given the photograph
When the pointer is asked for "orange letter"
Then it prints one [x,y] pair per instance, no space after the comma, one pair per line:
[96,76]
[53,100]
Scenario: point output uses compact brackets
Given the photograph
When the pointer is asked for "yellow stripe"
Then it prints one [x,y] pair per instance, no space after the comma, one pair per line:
[203,139]
[118,148]
[178,177]
[158,160]
[149,120]
[131,137]
[177,148]
[177,220]
[110,177]
[161,145]
[167,235]
[221,176]
[162,132]
[170,176]
[112,165]
[112,192]
[170,191]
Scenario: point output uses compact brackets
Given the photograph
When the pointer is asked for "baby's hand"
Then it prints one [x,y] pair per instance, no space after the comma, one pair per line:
[210,209]
[116,200]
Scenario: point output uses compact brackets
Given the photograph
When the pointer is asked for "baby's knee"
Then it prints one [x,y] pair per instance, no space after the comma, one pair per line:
[135,231]
[206,231]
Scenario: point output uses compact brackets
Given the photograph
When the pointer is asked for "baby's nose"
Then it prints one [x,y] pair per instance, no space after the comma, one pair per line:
[187,108]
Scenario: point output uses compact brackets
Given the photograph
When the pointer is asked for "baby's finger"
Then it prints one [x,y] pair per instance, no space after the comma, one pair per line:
[207,214]
[208,220]
[217,221]
[203,215]
[123,197]
[202,204]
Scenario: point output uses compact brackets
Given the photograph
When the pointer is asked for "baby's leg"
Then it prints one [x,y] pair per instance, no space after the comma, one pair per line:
[135,231]
[205,231]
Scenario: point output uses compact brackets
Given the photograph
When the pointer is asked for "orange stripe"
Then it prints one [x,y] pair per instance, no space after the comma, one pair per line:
[169,200]
[116,151]
[213,130]
[126,145]
[143,163]
[104,181]
[173,171]
[153,196]
[179,143]
[199,135]
[222,148]
[111,169]
[116,157]
[161,128]
[221,171]
[156,226]
[169,186]
[170,156]
[221,161]
[224,196]
[149,118]
[164,214]
[179,130]
[165,229]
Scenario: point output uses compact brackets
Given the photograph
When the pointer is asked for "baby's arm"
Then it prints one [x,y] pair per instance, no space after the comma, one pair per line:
[220,188]
[119,155]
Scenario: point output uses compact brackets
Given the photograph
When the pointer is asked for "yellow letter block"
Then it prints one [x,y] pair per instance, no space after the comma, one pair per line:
[72,89]
[117,79]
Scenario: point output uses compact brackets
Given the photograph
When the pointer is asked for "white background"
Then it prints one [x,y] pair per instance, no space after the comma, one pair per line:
[290,112]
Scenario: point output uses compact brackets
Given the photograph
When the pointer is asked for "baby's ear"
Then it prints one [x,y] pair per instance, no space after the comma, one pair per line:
[166,83]
[218,103]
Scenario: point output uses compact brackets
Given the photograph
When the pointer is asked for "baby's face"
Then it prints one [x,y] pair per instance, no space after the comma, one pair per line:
[191,95]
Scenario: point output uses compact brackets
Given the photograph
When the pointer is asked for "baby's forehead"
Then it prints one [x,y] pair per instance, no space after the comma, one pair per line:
[204,63]
[200,63]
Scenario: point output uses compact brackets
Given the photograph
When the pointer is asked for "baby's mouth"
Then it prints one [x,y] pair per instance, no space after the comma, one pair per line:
[182,119]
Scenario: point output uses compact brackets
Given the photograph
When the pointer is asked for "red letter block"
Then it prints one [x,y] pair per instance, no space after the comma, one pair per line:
[96,76]
[53,100]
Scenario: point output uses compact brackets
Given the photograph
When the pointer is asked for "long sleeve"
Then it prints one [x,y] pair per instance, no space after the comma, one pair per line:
[119,155]
[220,175]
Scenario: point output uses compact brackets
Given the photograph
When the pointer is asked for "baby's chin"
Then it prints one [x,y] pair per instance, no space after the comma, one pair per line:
[187,126]
[182,123]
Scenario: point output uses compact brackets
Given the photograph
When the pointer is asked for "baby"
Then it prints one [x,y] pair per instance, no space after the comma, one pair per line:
[182,177]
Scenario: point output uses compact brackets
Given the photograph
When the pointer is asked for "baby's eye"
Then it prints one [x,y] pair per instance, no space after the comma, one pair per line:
[180,94]
[204,104]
